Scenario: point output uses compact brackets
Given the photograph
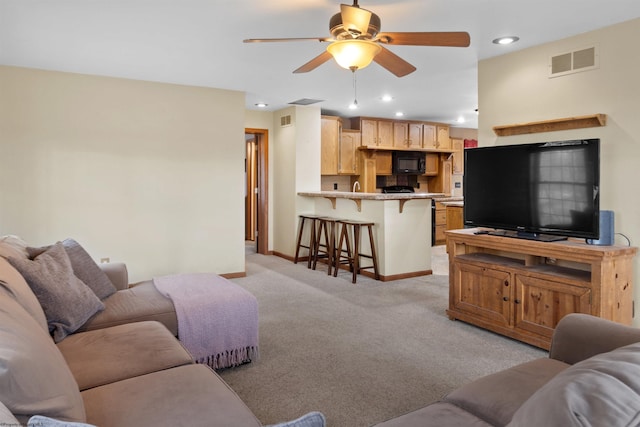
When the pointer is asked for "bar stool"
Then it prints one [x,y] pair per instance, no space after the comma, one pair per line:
[312,220]
[327,228]
[353,248]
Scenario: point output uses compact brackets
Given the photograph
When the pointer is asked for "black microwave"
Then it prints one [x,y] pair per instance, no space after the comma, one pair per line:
[408,162]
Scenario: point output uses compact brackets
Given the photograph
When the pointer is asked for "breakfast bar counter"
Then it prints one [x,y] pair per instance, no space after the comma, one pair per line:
[402,232]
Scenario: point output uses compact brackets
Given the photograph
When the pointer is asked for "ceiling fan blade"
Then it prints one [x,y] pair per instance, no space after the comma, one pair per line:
[355,19]
[450,39]
[393,63]
[320,39]
[314,63]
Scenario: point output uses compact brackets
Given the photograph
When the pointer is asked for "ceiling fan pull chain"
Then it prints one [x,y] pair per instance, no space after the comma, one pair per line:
[355,89]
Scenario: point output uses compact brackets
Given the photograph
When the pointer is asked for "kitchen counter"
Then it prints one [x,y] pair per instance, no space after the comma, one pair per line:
[402,231]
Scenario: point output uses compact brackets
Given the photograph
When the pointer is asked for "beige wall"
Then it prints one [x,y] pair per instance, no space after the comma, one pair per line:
[146,173]
[515,88]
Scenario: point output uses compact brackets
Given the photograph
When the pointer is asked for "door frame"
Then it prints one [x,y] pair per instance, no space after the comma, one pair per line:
[262,217]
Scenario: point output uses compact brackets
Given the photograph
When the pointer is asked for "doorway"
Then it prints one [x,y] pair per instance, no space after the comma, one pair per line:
[257,189]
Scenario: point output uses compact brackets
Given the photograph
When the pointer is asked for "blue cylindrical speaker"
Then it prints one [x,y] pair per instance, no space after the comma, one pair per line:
[607,234]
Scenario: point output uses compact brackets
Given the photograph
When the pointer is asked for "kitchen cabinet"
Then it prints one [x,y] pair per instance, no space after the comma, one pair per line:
[442,137]
[348,152]
[522,288]
[431,164]
[441,182]
[428,136]
[384,164]
[440,223]
[458,155]
[455,216]
[407,135]
[378,133]
[330,130]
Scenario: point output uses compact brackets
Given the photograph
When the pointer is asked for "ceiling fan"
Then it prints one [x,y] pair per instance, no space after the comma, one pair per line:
[356,41]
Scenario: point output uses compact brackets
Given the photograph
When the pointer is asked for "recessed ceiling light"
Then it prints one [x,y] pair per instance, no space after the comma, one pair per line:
[261,105]
[399,114]
[387,98]
[506,40]
[460,119]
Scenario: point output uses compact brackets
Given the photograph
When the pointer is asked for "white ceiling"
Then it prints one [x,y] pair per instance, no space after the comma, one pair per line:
[199,42]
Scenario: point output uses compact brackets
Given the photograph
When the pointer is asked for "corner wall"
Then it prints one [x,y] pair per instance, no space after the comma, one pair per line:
[515,88]
[146,173]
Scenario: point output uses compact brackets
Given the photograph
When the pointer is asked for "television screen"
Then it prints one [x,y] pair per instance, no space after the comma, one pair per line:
[546,188]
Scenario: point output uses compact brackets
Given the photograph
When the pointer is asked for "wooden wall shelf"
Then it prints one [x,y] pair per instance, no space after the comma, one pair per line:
[593,120]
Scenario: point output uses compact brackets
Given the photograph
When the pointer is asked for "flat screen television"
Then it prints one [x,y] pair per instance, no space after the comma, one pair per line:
[542,191]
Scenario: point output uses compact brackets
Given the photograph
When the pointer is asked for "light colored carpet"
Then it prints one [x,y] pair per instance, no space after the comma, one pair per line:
[359,353]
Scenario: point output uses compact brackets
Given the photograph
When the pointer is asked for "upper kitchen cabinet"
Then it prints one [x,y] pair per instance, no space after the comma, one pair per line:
[348,152]
[407,135]
[458,155]
[374,132]
[428,136]
[331,128]
[443,141]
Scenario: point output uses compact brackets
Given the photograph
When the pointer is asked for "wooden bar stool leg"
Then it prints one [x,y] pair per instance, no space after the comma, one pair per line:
[312,242]
[374,256]
[356,252]
[300,230]
[341,240]
[322,226]
[331,249]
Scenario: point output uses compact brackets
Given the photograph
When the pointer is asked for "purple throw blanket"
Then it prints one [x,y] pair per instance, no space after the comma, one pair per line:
[217,319]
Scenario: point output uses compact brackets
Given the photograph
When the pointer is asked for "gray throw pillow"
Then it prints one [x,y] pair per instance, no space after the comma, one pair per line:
[67,302]
[84,267]
[312,419]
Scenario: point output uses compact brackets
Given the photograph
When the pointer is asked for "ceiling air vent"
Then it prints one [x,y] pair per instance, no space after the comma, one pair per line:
[285,120]
[573,62]
[305,101]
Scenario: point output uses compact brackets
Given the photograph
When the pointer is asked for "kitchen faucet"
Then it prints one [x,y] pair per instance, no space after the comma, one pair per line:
[355,184]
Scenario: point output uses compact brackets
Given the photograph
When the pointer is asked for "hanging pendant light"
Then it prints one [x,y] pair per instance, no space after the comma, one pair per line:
[353,53]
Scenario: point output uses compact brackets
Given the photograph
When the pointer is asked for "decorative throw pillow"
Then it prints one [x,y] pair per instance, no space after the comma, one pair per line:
[40,421]
[603,390]
[13,246]
[312,419]
[34,377]
[67,302]
[84,267]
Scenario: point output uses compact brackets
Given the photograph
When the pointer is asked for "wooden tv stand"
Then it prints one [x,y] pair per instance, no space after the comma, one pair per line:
[522,288]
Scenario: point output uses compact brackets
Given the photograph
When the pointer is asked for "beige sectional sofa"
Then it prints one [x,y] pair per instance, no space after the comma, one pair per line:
[591,378]
[123,367]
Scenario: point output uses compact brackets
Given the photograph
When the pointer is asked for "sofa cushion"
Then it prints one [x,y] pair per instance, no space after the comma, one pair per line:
[439,414]
[311,419]
[138,303]
[496,397]
[67,302]
[84,267]
[13,246]
[6,417]
[601,391]
[125,351]
[13,283]
[34,378]
[187,395]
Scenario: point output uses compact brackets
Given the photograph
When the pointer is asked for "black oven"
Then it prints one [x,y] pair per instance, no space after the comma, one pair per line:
[408,162]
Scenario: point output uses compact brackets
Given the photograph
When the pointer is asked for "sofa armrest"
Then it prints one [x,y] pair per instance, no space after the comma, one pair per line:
[580,336]
[117,273]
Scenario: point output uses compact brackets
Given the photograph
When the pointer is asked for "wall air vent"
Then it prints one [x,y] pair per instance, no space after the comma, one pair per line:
[285,120]
[573,62]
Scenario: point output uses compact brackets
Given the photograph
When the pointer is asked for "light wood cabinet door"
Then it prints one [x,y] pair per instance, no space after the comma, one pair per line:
[348,152]
[541,303]
[458,155]
[400,134]
[482,292]
[383,163]
[369,132]
[414,135]
[442,134]
[428,136]
[385,133]
[455,217]
[329,141]
[431,164]
[446,176]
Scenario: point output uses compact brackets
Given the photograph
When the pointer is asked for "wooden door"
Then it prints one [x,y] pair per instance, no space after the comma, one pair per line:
[383,163]
[349,143]
[483,292]
[458,155]
[400,134]
[541,303]
[442,135]
[431,165]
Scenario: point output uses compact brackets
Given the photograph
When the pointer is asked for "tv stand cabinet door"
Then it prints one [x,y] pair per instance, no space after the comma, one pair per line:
[482,293]
[541,303]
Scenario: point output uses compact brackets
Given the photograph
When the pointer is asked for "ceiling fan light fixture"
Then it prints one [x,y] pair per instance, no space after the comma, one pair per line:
[352,54]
